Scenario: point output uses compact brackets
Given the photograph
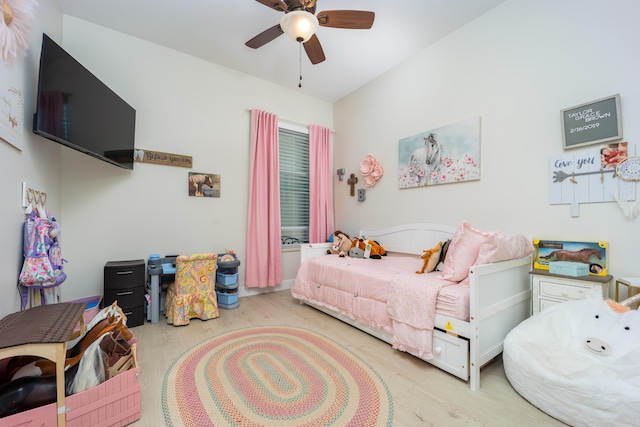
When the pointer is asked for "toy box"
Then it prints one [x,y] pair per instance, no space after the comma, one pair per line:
[575,269]
[594,254]
[227,298]
[226,278]
[44,416]
[114,403]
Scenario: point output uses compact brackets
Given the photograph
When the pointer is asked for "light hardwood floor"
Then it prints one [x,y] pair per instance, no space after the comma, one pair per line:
[422,394]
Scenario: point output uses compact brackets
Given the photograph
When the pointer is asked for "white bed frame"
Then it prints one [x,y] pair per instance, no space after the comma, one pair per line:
[500,298]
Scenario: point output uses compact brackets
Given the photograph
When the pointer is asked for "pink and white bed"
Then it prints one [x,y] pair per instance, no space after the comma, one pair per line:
[458,324]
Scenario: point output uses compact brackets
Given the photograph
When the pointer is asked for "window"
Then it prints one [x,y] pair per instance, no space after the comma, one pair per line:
[294,186]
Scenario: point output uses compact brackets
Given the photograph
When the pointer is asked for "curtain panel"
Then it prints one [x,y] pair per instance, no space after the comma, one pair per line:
[321,223]
[264,255]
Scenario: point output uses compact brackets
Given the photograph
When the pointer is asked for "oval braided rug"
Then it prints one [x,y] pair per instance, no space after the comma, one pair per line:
[273,376]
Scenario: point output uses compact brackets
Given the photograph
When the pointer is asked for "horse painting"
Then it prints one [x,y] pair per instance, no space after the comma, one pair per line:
[581,255]
[425,160]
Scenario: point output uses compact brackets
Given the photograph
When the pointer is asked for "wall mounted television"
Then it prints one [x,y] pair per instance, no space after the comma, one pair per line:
[76,109]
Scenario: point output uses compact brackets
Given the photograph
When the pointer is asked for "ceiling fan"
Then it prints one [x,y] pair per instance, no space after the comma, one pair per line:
[304,32]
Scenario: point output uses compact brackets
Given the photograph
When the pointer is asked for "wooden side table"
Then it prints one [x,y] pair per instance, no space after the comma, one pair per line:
[43,331]
[548,289]
[631,283]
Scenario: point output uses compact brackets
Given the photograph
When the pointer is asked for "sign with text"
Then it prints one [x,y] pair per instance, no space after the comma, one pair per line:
[592,123]
[160,158]
[585,176]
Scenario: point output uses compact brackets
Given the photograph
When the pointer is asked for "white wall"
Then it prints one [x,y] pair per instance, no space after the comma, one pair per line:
[184,106]
[516,67]
[38,163]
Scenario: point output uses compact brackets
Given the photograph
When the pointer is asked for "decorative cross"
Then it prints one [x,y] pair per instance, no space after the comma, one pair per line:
[352,181]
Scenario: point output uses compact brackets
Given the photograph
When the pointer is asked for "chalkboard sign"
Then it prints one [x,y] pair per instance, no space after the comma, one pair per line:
[592,123]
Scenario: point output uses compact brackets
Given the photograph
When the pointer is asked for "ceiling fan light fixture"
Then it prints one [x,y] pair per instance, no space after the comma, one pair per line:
[299,25]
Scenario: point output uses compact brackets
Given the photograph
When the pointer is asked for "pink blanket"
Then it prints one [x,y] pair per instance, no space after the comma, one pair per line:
[385,293]
[412,307]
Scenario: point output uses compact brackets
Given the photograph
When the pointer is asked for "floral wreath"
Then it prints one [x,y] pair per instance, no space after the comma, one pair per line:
[17,17]
[371,170]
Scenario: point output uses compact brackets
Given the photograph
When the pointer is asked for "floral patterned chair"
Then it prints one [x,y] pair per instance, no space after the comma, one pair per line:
[193,293]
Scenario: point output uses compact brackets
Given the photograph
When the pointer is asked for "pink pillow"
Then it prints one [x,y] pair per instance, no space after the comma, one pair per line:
[463,251]
[503,247]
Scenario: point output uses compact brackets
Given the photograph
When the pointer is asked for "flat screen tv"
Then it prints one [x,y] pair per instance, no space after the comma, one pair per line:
[76,109]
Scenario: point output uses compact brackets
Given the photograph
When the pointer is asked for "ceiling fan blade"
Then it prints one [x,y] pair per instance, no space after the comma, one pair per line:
[314,50]
[351,19]
[278,5]
[265,37]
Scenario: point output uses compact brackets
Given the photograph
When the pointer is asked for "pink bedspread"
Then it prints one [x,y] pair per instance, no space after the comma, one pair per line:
[385,293]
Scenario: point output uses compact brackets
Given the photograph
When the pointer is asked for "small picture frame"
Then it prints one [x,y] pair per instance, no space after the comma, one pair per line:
[594,122]
[204,184]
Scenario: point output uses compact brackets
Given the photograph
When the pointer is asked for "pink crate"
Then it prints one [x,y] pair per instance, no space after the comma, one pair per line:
[44,416]
[114,403]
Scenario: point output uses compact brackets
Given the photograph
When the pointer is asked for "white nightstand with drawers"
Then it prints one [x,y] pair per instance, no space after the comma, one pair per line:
[549,289]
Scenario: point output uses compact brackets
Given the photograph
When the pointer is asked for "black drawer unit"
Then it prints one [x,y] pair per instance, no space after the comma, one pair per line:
[124,283]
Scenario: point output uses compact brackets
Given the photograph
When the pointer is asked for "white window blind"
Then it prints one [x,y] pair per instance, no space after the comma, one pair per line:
[294,186]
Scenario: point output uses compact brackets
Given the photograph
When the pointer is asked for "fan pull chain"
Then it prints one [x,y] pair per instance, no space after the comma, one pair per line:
[300,64]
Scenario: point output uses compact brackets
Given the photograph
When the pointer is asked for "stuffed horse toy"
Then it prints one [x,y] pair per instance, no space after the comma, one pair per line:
[430,259]
[359,249]
[579,361]
[341,244]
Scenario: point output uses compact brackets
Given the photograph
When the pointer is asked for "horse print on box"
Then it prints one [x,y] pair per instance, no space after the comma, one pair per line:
[592,253]
[204,184]
[440,156]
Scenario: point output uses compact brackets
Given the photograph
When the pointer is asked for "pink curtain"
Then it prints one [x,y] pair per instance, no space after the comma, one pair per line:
[264,257]
[320,184]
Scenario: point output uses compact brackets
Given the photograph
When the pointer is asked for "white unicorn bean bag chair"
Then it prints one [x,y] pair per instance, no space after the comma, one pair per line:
[579,361]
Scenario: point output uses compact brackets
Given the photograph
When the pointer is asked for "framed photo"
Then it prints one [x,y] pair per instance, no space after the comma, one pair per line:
[592,253]
[11,106]
[204,184]
[594,122]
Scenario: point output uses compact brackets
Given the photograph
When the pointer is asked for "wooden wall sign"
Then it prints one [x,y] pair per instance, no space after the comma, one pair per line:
[579,176]
[160,158]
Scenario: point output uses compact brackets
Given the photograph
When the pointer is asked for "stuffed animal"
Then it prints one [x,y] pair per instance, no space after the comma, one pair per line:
[341,244]
[359,249]
[430,258]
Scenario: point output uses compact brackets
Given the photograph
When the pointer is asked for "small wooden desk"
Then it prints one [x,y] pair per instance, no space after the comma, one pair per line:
[43,331]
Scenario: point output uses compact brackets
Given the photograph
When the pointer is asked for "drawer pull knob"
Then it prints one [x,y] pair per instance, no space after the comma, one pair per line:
[124,272]
[438,350]
[128,313]
[124,293]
